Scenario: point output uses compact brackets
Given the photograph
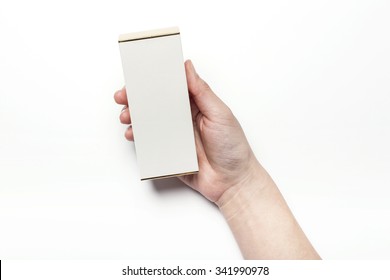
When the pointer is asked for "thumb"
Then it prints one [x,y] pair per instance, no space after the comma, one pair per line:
[207,101]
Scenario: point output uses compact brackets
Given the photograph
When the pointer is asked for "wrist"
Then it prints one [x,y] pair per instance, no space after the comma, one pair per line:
[239,196]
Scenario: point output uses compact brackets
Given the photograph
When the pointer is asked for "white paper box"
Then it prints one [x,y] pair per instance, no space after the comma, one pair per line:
[159,103]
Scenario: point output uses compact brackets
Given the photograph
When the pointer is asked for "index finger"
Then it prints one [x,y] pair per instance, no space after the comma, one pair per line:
[121,96]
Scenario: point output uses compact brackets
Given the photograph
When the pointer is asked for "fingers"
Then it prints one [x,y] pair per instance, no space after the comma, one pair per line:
[124,117]
[206,100]
[121,97]
[129,133]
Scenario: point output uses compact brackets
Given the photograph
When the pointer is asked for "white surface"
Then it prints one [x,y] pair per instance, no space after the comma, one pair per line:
[308,80]
[160,107]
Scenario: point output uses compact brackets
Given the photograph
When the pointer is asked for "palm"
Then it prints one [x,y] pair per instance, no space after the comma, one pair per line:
[221,150]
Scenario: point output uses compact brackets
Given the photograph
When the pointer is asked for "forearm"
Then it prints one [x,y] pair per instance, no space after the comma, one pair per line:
[262,223]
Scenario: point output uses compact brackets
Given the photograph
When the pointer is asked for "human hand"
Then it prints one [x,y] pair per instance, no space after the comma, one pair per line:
[230,175]
[225,158]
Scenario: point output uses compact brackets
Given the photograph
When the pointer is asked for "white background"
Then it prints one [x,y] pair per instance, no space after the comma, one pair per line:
[308,80]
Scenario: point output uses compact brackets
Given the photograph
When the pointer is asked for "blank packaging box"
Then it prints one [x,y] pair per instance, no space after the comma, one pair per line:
[159,103]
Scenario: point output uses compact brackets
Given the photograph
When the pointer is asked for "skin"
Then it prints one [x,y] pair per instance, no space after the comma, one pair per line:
[231,177]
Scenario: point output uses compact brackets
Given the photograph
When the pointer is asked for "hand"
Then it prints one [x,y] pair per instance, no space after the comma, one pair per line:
[230,175]
[226,160]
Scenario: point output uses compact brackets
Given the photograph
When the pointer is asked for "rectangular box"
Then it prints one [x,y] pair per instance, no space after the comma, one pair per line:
[159,103]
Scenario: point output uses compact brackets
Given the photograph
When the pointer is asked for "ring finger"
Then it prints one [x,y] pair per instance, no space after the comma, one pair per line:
[124,117]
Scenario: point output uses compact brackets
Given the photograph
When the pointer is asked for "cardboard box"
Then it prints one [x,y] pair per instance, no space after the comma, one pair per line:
[159,103]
